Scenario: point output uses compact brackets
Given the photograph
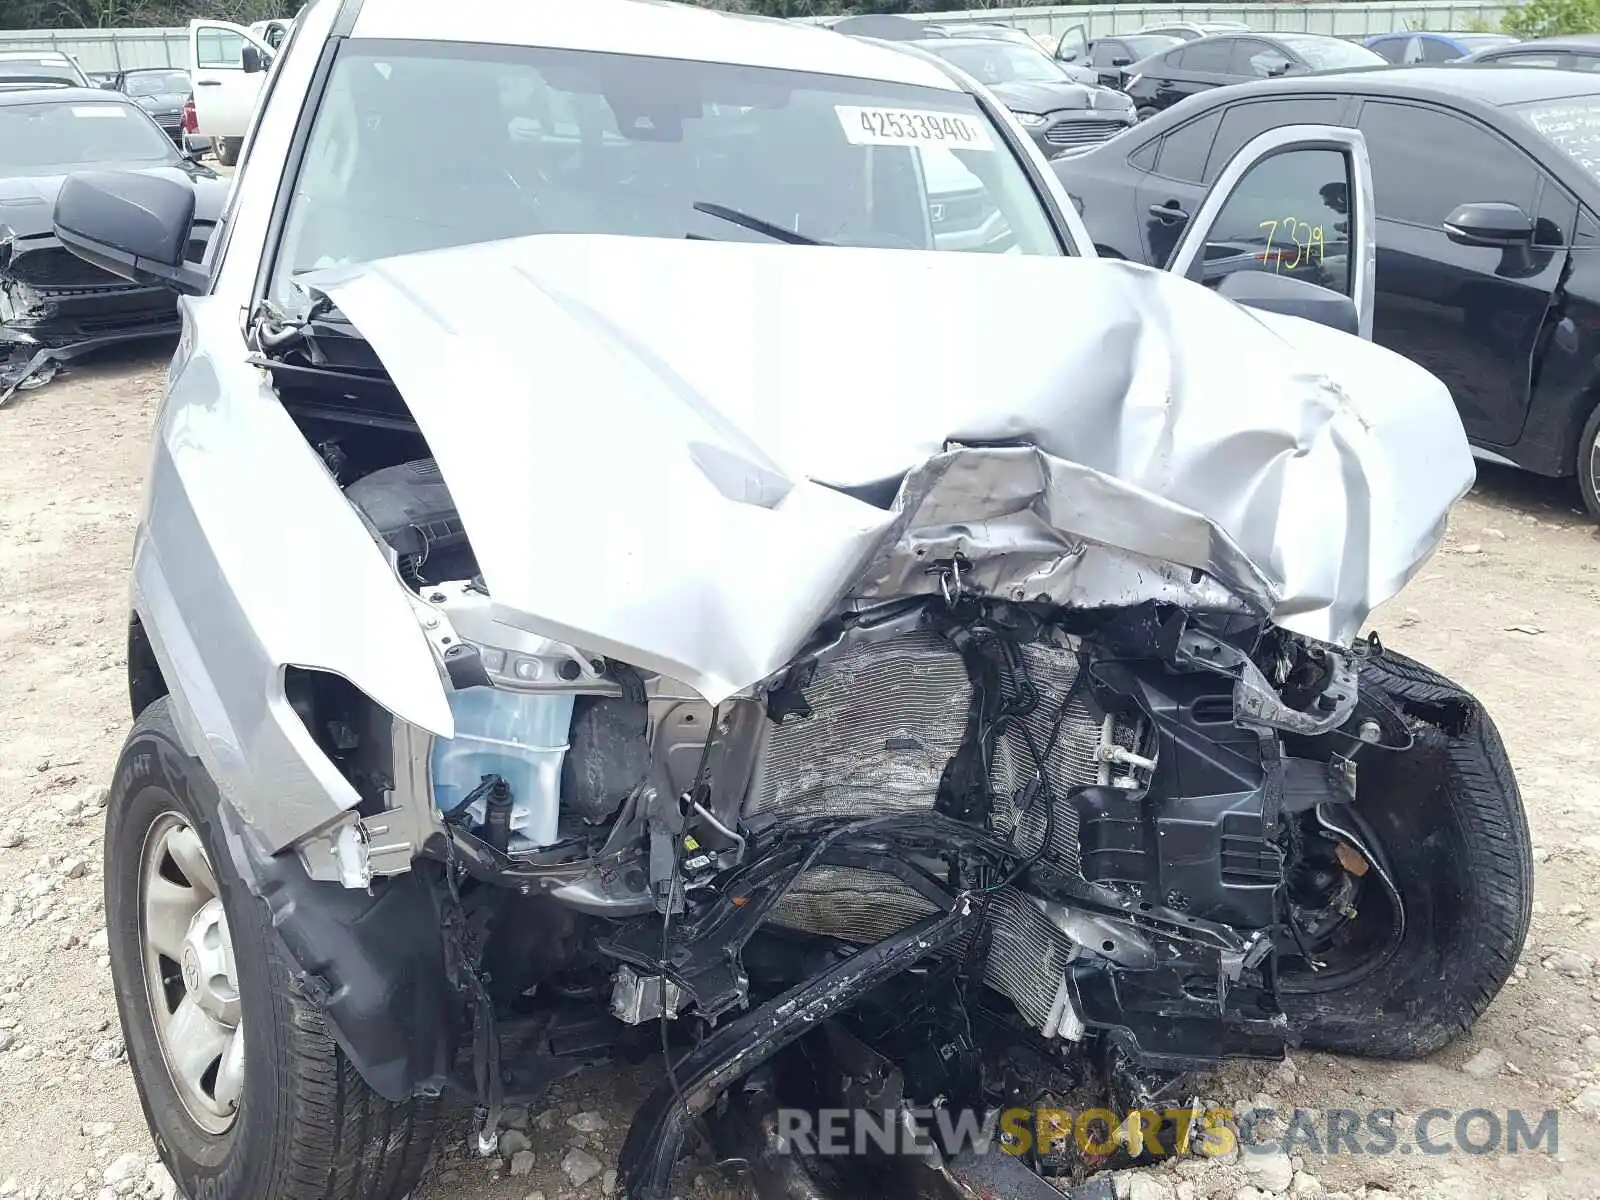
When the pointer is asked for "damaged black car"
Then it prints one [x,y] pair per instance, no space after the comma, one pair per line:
[55,307]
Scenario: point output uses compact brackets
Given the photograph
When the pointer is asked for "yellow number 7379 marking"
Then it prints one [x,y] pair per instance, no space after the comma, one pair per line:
[1306,238]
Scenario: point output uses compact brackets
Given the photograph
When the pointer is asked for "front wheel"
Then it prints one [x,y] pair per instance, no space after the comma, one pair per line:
[1145,113]
[1589,464]
[245,1093]
[226,150]
[1448,817]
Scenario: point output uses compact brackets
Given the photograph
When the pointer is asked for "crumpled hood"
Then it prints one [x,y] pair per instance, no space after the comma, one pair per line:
[1029,97]
[646,439]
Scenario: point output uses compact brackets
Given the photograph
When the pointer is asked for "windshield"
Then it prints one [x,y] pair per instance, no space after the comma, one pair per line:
[1002,62]
[54,138]
[156,83]
[1571,125]
[18,71]
[1326,53]
[553,141]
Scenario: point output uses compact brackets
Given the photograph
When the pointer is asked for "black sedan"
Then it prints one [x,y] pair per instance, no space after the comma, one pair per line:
[1487,188]
[1057,110]
[161,92]
[1162,80]
[1576,52]
[1107,56]
[57,306]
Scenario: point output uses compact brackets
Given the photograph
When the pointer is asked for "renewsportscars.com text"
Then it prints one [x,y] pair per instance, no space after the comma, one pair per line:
[1219,1132]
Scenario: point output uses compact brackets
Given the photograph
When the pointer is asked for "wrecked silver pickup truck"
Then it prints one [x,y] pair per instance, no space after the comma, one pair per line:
[676,603]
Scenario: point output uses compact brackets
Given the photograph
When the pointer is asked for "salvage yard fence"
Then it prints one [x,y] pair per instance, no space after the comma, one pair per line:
[1341,20]
[105,50]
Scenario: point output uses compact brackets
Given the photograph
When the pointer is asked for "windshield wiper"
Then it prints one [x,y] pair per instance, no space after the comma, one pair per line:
[755,224]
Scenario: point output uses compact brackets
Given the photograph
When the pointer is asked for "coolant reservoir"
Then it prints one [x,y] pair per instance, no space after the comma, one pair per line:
[520,737]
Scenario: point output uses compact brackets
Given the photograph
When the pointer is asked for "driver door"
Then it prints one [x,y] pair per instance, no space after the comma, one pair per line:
[1073,46]
[225,89]
[1294,202]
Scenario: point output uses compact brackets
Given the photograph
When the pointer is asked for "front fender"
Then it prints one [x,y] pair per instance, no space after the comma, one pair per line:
[249,560]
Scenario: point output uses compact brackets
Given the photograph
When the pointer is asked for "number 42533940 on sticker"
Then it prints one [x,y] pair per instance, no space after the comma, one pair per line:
[866,126]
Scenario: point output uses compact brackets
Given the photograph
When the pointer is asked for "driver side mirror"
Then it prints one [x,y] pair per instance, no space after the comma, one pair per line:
[135,226]
[1292,297]
[253,60]
[1122,62]
[1493,224]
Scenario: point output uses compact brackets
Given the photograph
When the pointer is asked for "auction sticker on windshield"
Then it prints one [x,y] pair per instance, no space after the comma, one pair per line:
[99,110]
[912,127]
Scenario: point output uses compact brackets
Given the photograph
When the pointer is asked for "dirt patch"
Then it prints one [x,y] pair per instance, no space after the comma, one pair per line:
[1508,608]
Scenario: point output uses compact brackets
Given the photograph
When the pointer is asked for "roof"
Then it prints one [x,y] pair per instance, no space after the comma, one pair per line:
[653,28]
[33,56]
[64,95]
[1487,84]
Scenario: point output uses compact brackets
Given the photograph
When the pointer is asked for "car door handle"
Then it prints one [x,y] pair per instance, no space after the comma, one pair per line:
[209,82]
[1168,212]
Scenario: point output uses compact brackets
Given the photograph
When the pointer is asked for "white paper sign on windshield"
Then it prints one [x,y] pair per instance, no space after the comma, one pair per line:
[871,126]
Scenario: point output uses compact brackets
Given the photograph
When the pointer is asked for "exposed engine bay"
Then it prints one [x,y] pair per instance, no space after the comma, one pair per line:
[1004,753]
[1119,822]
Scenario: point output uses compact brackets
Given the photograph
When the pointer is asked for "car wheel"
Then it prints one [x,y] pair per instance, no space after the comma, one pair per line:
[1589,464]
[1145,113]
[245,1093]
[1449,818]
[226,150]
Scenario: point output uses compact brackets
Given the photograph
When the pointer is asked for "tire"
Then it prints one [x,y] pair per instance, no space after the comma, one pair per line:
[1145,113]
[304,1125]
[1588,464]
[226,150]
[1449,817]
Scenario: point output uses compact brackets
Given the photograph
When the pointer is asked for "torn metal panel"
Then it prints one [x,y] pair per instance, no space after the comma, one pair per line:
[698,416]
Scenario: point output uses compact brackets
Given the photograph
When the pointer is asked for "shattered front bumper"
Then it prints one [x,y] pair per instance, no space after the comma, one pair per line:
[55,307]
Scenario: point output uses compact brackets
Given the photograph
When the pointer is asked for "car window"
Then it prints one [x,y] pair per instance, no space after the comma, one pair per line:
[538,140]
[53,138]
[1585,62]
[1105,53]
[1184,150]
[1241,122]
[1208,56]
[1439,50]
[1252,57]
[1390,49]
[1571,125]
[1002,62]
[1328,53]
[1527,60]
[219,49]
[1290,215]
[1142,46]
[1425,162]
[18,76]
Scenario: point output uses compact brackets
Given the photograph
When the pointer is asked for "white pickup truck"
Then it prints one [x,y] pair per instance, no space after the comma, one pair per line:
[228,64]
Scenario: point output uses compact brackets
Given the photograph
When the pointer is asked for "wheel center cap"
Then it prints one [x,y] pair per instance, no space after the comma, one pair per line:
[191,969]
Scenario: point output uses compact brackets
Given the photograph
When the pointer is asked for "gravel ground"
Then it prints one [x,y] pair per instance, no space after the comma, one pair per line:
[1508,608]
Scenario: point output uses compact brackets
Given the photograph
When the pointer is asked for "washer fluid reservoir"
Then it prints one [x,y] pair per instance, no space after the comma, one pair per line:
[519,736]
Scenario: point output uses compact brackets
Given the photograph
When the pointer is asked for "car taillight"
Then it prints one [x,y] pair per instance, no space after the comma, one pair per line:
[191,123]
